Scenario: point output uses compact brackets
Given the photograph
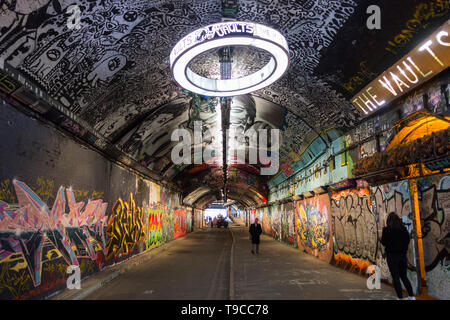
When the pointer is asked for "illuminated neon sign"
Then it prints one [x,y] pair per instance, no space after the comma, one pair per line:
[233,33]
[425,61]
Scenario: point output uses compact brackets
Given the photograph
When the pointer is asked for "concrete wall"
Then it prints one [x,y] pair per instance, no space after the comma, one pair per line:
[63,204]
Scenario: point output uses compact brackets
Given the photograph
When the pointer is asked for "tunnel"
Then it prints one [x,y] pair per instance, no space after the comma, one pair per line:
[146,145]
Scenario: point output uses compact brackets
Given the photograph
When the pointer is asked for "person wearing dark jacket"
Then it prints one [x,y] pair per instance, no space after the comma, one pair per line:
[395,239]
[255,232]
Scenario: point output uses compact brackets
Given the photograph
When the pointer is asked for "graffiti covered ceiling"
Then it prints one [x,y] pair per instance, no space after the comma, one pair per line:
[113,71]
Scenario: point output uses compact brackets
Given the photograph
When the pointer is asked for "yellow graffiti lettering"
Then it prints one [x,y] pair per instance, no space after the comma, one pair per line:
[125,228]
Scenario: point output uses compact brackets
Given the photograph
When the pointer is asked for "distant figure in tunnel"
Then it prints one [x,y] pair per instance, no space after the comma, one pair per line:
[255,232]
[396,239]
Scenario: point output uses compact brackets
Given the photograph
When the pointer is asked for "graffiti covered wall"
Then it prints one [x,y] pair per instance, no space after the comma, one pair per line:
[275,222]
[62,204]
[434,202]
[181,224]
[263,215]
[288,223]
[359,216]
[252,216]
[38,242]
[314,232]
[199,221]
[125,229]
[395,197]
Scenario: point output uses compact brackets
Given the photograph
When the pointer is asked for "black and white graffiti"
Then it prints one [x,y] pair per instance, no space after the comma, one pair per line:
[113,72]
[115,68]
[359,216]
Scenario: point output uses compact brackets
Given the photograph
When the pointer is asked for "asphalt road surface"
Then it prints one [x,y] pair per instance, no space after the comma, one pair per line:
[198,268]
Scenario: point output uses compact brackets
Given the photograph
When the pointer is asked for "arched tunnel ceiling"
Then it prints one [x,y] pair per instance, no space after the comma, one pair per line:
[113,71]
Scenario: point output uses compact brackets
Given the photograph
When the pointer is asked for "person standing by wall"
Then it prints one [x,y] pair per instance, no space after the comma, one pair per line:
[396,239]
[255,232]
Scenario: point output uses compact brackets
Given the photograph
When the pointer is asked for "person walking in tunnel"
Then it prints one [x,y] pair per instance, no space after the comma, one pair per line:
[395,239]
[255,232]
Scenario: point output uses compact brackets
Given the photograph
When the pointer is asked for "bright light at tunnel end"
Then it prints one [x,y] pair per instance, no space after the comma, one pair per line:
[222,34]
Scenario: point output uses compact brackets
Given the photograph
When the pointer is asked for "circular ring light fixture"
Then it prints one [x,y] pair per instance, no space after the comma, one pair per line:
[233,33]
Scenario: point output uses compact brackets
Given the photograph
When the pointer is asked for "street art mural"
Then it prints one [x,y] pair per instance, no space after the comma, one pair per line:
[188,220]
[252,215]
[355,233]
[266,221]
[434,201]
[180,223]
[260,215]
[198,219]
[263,215]
[155,227]
[154,196]
[288,223]
[314,231]
[394,197]
[39,242]
[275,222]
[358,219]
[125,229]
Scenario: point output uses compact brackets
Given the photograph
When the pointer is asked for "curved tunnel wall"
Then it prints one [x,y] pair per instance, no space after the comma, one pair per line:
[343,226]
[62,204]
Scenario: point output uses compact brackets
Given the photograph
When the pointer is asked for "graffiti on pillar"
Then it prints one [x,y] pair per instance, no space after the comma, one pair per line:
[266,221]
[275,223]
[288,223]
[155,194]
[354,230]
[37,243]
[198,224]
[434,201]
[168,225]
[189,221]
[260,215]
[180,226]
[314,227]
[154,228]
[359,216]
[125,229]
[394,197]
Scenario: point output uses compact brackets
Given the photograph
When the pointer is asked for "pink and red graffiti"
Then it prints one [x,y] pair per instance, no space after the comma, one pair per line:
[31,224]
